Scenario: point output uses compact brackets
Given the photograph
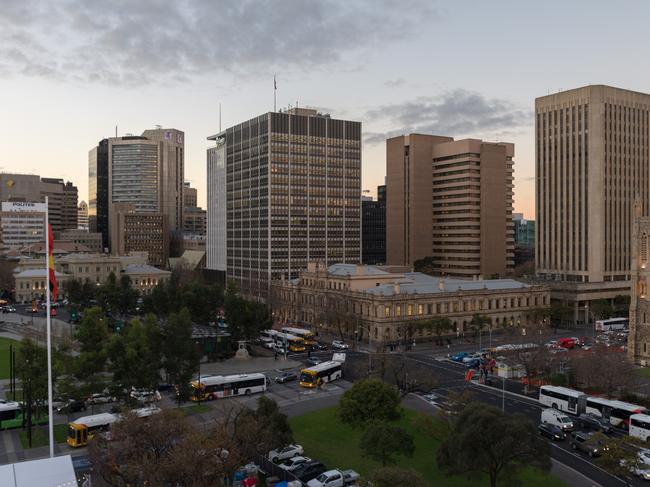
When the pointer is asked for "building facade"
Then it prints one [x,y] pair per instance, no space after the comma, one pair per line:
[592,164]
[524,233]
[82,216]
[134,231]
[450,200]
[291,190]
[373,231]
[98,191]
[386,305]
[22,224]
[190,195]
[92,241]
[194,221]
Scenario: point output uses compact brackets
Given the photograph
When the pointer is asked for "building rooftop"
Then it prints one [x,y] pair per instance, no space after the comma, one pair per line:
[31,273]
[143,269]
[46,472]
[352,269]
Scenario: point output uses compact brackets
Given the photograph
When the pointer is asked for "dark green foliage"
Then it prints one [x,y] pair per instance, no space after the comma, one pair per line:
[369,400]
[484,441]
[245,318]
[383,441]
[181,355]
[425,265]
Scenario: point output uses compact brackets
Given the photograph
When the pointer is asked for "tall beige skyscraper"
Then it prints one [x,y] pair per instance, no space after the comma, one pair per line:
[452,201]
[592,163]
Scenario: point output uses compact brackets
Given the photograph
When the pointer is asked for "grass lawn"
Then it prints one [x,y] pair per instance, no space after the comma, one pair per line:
[197,409]
[643,372]
[4,356]
[40,435]
[325,438]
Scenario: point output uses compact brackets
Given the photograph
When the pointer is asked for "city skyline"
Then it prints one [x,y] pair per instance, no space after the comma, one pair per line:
[468,88]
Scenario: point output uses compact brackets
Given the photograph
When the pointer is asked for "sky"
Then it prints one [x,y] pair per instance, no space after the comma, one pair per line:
[73,70]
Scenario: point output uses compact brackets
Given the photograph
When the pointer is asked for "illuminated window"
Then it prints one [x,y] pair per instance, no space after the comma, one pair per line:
[420,309]
[387,311]
[409,310]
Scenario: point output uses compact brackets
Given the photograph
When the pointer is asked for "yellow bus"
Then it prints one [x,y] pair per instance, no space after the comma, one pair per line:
[320,374]
[82,430]
[307,335]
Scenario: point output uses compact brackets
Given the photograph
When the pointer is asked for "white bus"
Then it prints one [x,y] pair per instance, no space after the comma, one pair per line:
[83,429]
[307,335]
[612,324]
[293,342]
[617,412]
[640,426]
[320,374]
[9,410]
[219,386]
[563,398]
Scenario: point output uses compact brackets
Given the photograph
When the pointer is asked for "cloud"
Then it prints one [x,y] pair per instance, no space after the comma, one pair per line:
[454,113]
[147,41]
[395,83]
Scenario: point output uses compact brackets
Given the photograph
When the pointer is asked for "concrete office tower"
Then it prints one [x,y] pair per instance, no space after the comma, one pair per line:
[22,223]
[592,163]
[291,194]
[450,200]
[135,231]
[82,216]
[98,191]
[194,218]
[190,196]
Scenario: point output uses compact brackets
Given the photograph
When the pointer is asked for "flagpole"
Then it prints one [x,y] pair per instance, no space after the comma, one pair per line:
[275,89]
[49,329]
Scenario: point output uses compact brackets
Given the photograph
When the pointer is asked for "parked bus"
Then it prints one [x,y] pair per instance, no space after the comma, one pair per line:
[210,387]
[293,342]
[612,324]
[617,412]
[563,398]
[10,412]
[81,430]
[640,426]
[307,335]
[320,374]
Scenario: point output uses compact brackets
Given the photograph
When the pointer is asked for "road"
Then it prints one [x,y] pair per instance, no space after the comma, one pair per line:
[452,378]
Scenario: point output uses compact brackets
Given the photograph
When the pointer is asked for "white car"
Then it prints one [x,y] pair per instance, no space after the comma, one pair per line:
[339,345]
[293,463]
[145,395]
[101,398]
[471,357]
[289,451]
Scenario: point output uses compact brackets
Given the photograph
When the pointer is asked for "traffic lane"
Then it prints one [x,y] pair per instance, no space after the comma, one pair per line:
[561,450]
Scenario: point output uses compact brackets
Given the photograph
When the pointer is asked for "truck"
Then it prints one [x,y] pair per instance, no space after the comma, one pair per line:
[334,478]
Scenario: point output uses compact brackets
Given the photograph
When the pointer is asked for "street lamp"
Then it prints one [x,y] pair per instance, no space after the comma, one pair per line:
[198,344]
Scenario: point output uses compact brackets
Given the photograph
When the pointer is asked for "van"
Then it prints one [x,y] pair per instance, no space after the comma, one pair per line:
[558,418]
[567,343]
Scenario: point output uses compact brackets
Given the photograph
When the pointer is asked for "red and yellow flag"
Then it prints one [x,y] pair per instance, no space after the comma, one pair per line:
[54,287]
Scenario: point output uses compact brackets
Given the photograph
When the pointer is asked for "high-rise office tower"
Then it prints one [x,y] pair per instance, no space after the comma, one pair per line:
[146,171]
[592,164]
[283,189]
[373,229]
[190,195]
[452,201]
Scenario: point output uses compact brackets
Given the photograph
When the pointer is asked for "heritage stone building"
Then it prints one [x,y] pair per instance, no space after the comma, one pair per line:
[639,336]
[385,302]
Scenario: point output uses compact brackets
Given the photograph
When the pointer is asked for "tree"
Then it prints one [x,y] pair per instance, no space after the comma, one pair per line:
[560,314]
[620,455]
[485,441]
[180,353]
[392,476]
[601,309]
[31,369]
[164,449]
[369,400]
[479,323]
[7,281]
[535,362]
[605,370]
[426,265]
[127,297]
[440,325]
[92,335]
[245,318]
[382,442]
[622,305]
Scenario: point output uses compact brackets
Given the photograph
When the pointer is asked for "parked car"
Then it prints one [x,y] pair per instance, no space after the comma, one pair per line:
[71,406]
[583,442]
[593,422]
[551,431]
[334,478]
[473,363]
[145,395]
[100,398]
[309,470]
[286,377]
[317,347]
[458,357]
[289,451]
[313,361]
[293,463]
[339,345]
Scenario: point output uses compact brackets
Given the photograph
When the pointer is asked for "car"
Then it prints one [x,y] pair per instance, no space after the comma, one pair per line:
[144,395]
[471,356]
[551,431]
[309,470]
[317,347]
[289,451]
[473,363]
[293,463]
[286,377]
[593,422]
[339,345]
[458,357]
[583,442]
[313,361]
[71,406]
[100,398]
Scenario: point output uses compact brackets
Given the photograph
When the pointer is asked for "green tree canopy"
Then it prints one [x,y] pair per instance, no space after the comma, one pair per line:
[180,353]
[425,265]
[92,335]
[245,318]
[369,400]
[383,441]
[485,441]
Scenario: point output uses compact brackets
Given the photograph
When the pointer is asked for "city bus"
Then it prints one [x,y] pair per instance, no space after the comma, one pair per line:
[640,426]
[307,335]
[617,412]
[210,387]
[82,430]
[612,324]
[10,412]
[563,399]
[320,374]
[293,342]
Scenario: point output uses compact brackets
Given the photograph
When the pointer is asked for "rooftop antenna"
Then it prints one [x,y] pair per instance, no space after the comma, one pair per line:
[275,90]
